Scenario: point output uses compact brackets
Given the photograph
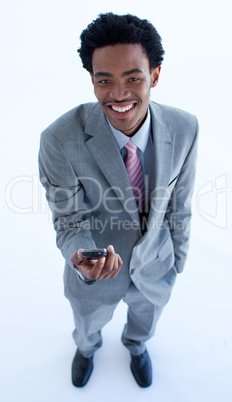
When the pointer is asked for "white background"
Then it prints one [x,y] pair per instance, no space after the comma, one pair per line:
[41,78]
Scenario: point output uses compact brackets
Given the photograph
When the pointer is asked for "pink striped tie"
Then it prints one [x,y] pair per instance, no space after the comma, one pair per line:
[134,170]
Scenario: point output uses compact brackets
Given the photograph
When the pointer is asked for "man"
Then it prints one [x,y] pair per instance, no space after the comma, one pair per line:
[119,174]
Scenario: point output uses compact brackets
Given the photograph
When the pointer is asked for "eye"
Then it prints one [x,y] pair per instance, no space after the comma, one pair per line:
[104,82]
[132,79]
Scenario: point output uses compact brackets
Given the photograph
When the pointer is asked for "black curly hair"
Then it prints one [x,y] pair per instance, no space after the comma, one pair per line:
[112,29]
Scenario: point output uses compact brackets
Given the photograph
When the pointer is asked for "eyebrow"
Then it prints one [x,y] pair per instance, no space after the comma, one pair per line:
[126,73]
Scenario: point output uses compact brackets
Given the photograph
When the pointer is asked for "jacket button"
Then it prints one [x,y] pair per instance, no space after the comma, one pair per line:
[132,271]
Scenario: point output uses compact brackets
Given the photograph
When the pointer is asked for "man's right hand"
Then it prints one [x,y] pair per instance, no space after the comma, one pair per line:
[103,268]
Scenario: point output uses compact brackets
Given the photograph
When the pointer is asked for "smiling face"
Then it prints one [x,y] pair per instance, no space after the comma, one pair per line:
[122,81]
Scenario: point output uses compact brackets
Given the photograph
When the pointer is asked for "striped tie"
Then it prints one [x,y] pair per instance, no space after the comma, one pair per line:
[134,170]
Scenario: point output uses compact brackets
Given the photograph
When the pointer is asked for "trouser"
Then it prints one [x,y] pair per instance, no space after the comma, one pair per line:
[90,318]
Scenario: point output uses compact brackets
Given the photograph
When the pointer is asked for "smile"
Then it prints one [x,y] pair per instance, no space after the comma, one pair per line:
[122,109]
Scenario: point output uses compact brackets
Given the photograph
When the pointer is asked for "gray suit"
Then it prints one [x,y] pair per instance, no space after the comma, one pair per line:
[89,193]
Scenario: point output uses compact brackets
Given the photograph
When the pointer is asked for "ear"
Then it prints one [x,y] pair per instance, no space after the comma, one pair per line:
[92,77]
[155,76]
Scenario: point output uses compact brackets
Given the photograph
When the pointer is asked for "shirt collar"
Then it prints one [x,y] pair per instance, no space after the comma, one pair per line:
[140,138]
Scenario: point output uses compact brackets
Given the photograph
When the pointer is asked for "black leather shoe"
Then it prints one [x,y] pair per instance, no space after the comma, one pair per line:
[82,368]
[142,369]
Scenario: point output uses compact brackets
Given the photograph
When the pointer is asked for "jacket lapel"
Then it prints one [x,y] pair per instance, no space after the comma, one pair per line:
[163,141]
[104,149]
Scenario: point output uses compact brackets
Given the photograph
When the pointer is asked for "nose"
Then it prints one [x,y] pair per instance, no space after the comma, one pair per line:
[119,92]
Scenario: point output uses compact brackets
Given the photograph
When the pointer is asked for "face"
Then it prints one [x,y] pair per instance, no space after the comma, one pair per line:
[122,81]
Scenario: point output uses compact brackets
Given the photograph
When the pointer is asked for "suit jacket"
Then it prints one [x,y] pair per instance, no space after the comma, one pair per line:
[89,193]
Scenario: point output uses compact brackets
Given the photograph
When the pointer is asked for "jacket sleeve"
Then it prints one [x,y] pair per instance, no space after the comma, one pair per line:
[179,208]
[66,198]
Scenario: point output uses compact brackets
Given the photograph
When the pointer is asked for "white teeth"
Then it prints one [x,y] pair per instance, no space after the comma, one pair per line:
[121,109]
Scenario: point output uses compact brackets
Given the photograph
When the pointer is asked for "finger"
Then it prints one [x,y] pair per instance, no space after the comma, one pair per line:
[112,266]
[109,265]
[95,271]
[77,258]
[110,258]
[117,266]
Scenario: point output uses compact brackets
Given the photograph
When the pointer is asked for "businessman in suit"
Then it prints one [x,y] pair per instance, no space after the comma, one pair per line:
[119,174]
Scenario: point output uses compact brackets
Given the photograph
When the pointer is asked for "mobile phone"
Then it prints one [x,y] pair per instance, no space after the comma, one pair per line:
[93,252]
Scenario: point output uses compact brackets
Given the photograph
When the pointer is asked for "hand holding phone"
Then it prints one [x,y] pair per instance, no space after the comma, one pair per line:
[97,264]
